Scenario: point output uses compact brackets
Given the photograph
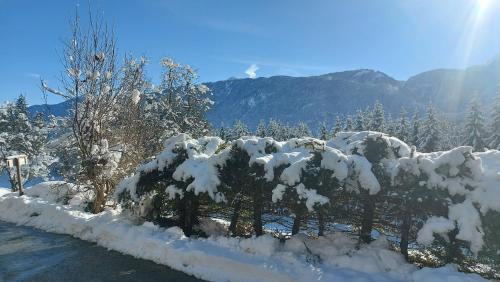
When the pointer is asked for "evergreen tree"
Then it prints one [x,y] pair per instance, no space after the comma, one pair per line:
[338,126]
[238,130]
[494,136]
[474,127]
[261,129]
[360,121]
[323,131]
[430,133]
[21,135]
[377,122]
[39,132]
[274,129]
[415,129]
[222,132]
[349,124]
[451,135]
[22,105]
[302,130]
[403,127]
[21,127]
[367,118]
[390,125]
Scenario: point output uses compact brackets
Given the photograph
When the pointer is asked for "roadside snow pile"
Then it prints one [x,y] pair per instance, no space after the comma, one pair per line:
[60,192]
[330,258]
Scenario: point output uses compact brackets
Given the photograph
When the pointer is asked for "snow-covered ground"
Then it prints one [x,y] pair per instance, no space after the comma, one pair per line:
[217,258]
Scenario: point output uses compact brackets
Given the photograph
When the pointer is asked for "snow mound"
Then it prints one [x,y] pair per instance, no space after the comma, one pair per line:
[217,258]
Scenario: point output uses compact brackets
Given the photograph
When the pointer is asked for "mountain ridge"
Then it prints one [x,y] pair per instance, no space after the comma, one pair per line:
[314,99]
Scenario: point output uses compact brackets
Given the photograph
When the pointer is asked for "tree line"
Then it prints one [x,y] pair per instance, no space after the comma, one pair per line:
[429,132]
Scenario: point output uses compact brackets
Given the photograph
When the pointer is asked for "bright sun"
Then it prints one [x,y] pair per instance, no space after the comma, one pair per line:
[483,4]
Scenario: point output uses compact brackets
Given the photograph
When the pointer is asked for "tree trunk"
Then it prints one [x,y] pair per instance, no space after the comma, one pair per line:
[453,252]
[257,211]
[321,223]
[296,223]
[236,214]
[405,234]
[367,220]
[97,205]
[190,213]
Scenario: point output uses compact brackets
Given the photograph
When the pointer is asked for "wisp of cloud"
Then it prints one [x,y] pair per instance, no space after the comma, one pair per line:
[251,71]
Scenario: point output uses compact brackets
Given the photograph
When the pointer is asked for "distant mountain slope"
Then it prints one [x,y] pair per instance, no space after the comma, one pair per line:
[310,99]
[59,109]
[452,90]
[317,98]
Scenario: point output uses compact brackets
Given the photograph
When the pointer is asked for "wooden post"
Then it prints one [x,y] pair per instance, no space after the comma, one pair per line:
[17,161]
[19,180]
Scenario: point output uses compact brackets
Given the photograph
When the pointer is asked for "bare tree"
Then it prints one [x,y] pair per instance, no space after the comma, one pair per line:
[90,82]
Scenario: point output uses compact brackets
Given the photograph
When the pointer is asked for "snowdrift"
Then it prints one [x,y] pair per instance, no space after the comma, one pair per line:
[220,258]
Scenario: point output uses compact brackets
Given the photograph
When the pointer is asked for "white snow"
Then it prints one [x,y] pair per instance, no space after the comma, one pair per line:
[219,258]
[366,178]
[311,196]
[434,225]
[459,171]
[469,224]
[172,191]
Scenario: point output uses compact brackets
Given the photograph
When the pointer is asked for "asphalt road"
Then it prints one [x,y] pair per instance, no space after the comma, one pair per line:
[28,254]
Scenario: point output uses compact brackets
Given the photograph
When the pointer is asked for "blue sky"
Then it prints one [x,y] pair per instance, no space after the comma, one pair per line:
[240,38]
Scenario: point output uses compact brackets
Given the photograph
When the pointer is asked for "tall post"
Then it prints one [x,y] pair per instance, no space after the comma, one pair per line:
[19,180]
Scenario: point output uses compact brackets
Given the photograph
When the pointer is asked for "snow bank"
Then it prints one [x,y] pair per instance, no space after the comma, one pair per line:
[217,258]
[447,273]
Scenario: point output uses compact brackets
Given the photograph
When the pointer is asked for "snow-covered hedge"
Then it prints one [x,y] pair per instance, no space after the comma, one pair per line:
[376,178]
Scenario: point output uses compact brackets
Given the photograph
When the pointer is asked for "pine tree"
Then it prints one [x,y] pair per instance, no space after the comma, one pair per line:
[430,133]
[222,132]
[451,136]
[21,135]
[302,130]
[39,132]
[474,127]
[360,121]
[21,127]
[494,139]
[415,129]
[323,131]
[390,125]
[368,116]
[403,127]
[377,122]
[273,129]
[21,104]
[238,130]
[349,124]
[261,129]
[338,126]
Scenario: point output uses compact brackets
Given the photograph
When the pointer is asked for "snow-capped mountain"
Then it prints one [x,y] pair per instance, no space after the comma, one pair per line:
[318,98]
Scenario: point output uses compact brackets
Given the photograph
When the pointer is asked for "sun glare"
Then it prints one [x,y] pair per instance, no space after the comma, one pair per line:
[483,7]
[480,11]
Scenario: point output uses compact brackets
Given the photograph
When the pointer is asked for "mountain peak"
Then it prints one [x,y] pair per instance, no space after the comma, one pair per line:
[361,76]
